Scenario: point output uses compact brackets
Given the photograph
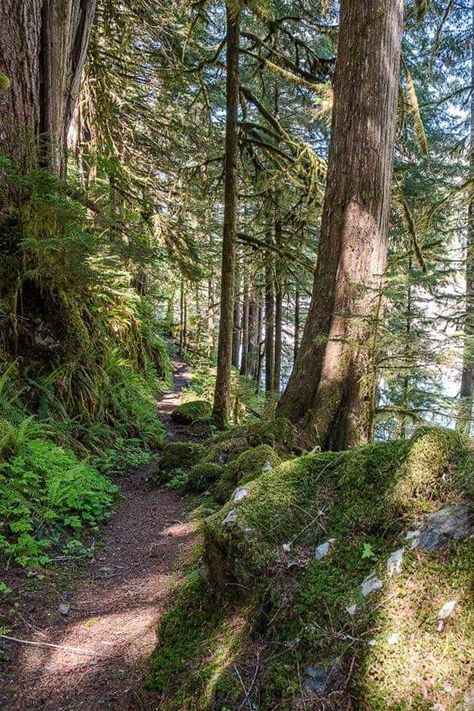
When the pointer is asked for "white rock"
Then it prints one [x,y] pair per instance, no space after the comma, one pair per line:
[394,638]
[444,613]
[231,518]
[239,494]
[372,642]
[322,550]
[370,584]
[413,537]
[446,610]
[286,547]
[267,466]
[351,609]
[395,561]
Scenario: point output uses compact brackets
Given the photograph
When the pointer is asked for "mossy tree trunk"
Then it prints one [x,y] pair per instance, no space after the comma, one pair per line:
[296,342]
[245,324]
[278,301]
[43,45]
[325,393]
[237,327]
[224,351]
[467,377]
[269,320]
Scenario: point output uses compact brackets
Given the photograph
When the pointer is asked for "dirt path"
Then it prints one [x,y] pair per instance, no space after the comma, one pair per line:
[114,607]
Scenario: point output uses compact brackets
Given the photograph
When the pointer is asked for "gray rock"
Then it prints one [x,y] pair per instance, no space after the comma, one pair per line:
[322,550]
[267,466]
[440,528]
[231,518]
[370,584]
[319,677]
[239,494]
[413,537]
[395,561]
[64,608]
[351,609]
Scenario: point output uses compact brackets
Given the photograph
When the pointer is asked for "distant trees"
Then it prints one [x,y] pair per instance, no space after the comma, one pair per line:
[326,389]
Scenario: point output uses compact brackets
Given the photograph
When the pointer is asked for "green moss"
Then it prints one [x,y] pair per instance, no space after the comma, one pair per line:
[4,82]
[197,642]
[244,468]
[176,456]
[190,412]
[365,499]
[203,476]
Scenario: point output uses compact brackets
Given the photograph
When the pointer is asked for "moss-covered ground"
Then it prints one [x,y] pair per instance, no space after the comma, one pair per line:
[264,611]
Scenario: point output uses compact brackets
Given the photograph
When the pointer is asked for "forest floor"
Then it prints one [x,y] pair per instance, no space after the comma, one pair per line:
[102,615]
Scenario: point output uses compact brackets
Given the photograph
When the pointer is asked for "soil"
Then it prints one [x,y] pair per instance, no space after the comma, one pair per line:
[110,606]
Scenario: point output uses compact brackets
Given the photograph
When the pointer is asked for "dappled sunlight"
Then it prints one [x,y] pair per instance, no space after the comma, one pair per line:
[416,656]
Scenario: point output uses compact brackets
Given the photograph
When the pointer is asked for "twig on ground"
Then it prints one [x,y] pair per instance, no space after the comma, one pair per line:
[75,650]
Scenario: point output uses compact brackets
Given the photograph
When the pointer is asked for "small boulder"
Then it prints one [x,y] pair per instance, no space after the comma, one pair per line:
[231,518]
[319,677]
[239,494]
[446,525]
[190,412]
[395,561]
[323,549]
[370,584]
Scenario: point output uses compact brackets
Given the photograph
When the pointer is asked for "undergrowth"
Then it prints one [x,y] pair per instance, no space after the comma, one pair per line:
[81,361]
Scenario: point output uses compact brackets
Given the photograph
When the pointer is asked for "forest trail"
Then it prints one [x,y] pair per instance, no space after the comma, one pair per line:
[115,605]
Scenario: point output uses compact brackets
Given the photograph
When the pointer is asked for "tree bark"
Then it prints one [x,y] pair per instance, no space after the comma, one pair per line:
[224,354]
[296,342]
[245,325]
[252,347]
[237,327]
[278,301]
[464,420]
[269,321]
[43,45]
[325,393]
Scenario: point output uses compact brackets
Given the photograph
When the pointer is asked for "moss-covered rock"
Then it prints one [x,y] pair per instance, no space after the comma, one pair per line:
[244,468]
[278,433]
[307,605]
[176,456]
[203,476]
[190,412]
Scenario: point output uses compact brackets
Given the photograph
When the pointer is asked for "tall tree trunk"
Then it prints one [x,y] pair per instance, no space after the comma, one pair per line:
[467,377]
[296,342]
[237,327]
[269,321]
[245,325]
[224,352]
[325,391]
[43,45]
[278,300]
[252,347]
